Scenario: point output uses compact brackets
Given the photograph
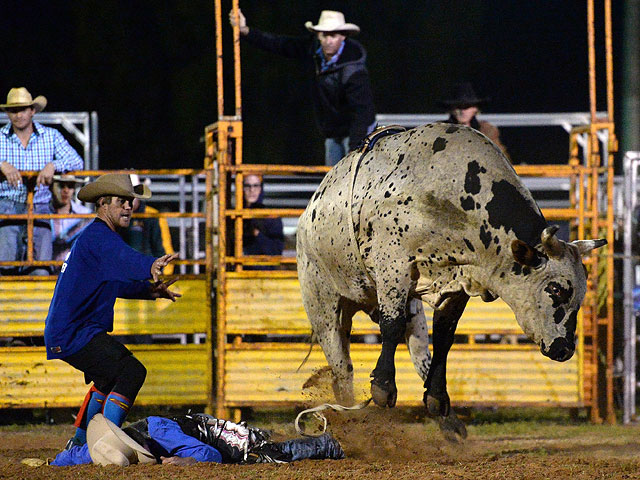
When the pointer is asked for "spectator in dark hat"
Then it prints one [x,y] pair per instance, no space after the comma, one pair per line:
[464,105]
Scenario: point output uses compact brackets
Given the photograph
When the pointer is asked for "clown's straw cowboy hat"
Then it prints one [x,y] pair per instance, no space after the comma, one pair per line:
[332,21]
[463,95]
[110,445]
[20,97]
[113,184]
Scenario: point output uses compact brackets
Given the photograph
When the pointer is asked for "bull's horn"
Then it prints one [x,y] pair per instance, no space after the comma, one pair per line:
[550,243]
[585,246]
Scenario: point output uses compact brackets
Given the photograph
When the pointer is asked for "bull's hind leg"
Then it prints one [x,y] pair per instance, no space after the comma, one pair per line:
[330,319]
[436,398]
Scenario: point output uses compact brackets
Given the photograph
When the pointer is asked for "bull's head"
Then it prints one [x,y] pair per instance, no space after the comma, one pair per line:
[549,290]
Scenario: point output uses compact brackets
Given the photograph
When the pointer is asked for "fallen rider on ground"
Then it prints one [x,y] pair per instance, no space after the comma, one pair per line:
[189,439]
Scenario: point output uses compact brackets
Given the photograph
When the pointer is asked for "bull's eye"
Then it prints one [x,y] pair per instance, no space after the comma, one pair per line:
[559,295]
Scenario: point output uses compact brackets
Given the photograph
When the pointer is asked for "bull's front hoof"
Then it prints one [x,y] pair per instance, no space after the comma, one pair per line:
[452,427]
[437,407]
[384,395]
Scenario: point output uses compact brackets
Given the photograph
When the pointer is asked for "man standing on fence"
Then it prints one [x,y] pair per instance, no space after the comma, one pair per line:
[28,145]
[341,90]
[100,268]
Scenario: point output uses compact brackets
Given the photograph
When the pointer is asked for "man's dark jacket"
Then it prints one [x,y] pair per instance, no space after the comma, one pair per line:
[341,94]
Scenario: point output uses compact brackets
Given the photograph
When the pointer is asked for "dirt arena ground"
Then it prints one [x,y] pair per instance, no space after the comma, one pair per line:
[380,444]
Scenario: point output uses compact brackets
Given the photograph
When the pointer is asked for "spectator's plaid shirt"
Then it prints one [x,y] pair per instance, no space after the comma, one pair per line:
[45,145]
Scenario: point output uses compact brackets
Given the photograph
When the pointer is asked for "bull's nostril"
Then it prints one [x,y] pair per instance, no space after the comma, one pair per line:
[560,350]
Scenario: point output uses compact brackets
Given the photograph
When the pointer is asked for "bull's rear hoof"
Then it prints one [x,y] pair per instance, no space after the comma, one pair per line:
[384,398]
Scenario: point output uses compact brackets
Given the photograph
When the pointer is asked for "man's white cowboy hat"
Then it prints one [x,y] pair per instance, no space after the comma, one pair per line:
[113,184]
[332,21]
[109,445]
[20,97]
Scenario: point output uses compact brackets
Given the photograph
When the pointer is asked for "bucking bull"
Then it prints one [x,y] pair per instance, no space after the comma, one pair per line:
[438,214]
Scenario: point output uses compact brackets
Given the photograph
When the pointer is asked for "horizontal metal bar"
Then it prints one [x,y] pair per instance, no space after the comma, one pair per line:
[35,216]
[264,212]
[260,259]
[560,119]
[281,169]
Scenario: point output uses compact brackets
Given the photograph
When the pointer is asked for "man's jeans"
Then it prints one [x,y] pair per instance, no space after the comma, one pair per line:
[335,149]
[13,238]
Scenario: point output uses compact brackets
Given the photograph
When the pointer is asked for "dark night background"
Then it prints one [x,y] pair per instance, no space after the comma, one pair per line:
[148,69]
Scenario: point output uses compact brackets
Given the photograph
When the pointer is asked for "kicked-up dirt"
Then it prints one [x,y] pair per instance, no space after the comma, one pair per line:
[380,444]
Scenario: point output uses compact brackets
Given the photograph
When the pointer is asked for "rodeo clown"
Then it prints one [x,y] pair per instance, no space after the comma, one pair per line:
[189,439]
[100,268]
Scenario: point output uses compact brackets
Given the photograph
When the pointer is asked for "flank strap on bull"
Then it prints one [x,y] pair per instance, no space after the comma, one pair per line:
[365,147]
[316,413]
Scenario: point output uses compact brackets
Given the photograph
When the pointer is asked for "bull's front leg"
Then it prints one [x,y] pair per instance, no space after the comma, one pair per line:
[393,320]
[436,398]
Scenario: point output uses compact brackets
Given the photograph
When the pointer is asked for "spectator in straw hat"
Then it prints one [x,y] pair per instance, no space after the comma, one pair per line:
[463,105]
[28,145]
[64,231]
[100,268]
[341,89]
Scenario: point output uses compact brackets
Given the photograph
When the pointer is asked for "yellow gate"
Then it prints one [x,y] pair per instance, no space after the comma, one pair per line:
[178,374]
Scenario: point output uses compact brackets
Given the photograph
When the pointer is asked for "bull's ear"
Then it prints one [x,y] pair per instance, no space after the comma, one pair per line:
[585,246]
[525,254]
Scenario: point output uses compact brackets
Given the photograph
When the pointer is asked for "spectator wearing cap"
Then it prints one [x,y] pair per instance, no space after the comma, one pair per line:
[341,89]
[64,231]
[464,105]
[26,145]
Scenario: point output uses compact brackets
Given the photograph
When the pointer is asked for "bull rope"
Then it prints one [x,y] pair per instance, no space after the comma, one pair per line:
[325,406]
[365,147]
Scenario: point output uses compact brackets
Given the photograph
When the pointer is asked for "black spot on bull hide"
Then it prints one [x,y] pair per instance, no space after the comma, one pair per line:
[471,179]
[469,245]
[509,209]
[439,145]
[467,203]
[485,236]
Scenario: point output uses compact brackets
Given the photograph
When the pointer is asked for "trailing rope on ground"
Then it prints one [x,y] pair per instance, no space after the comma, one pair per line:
[325,406]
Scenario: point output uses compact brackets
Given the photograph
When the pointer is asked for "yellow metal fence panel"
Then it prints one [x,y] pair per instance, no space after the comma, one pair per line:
[176,376]
[24,307]
[267,374]
[274,305]
[25,304]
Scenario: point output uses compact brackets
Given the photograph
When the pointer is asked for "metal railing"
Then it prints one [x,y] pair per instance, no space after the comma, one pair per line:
[189,236]
[630,265]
